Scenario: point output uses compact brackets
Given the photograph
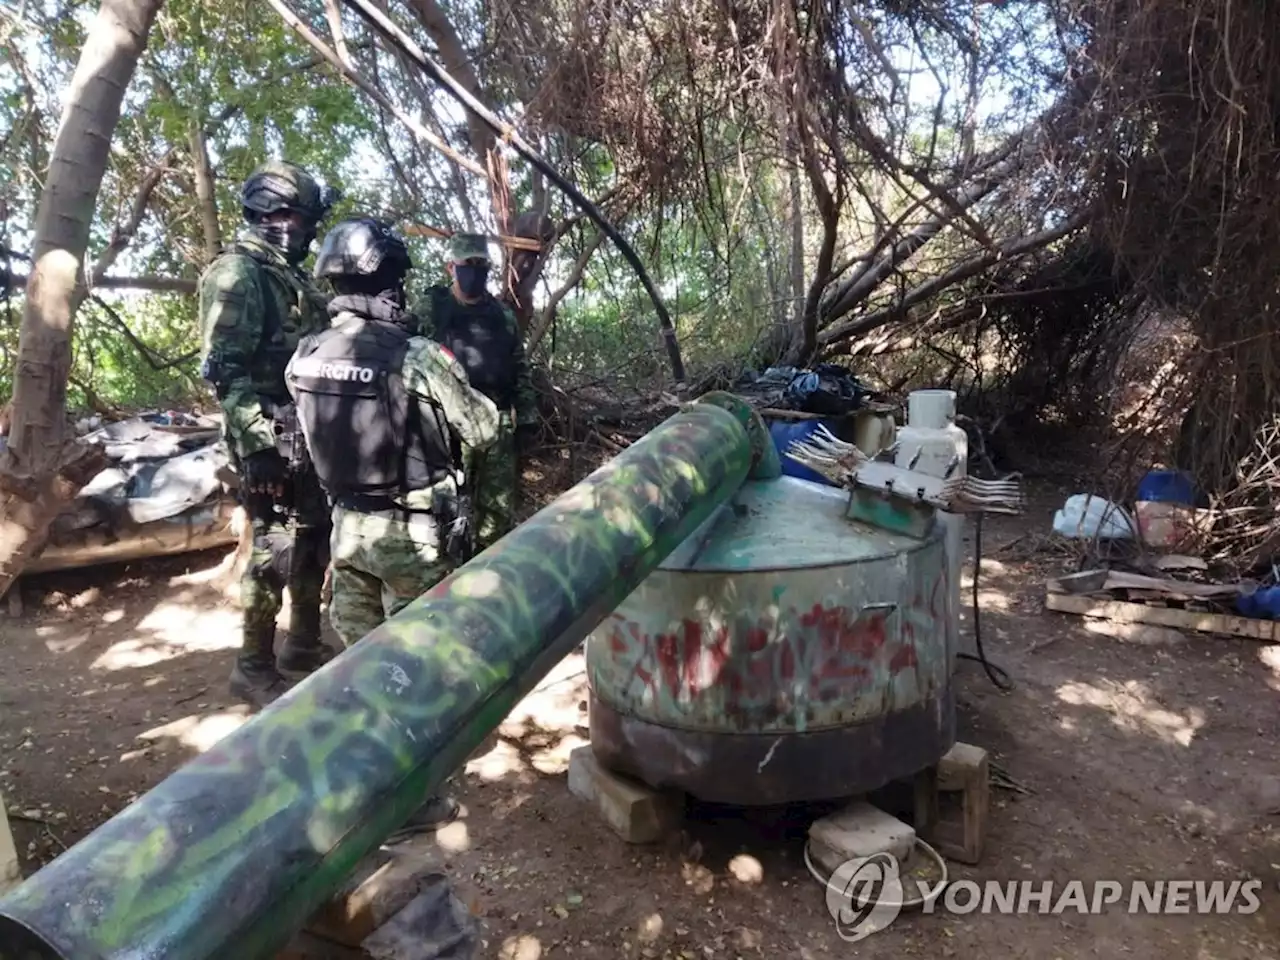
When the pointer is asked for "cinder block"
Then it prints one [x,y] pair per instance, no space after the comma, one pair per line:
[858,830]
[639,814]
[10,871]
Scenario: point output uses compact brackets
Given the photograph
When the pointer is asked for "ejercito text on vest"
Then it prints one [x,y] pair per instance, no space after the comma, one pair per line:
[365,432]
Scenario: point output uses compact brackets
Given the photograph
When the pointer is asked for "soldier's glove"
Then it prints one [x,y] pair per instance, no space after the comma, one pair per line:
[265,472]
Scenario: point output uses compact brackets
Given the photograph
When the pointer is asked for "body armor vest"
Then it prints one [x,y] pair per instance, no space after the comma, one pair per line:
[363,429]
[482,339]
[280,331]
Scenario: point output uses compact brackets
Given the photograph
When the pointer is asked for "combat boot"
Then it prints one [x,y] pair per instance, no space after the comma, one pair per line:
[255,683]
[254,678]
[302,652]
[303,655]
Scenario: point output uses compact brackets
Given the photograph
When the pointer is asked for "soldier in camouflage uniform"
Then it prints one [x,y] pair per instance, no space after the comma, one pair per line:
[255,304]
[484,336]
[390,420]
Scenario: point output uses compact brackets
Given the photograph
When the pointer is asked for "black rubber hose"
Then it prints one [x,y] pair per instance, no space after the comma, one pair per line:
[997,674]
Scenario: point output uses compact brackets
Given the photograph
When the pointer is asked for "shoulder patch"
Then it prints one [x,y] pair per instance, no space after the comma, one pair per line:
[441,355]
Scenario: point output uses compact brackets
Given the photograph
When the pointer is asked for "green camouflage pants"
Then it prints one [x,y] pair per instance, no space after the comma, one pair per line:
[381,563]
[289,553]
[497,481]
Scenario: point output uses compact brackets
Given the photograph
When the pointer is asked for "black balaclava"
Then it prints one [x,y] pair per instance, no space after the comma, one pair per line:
[472,278]
[291,241]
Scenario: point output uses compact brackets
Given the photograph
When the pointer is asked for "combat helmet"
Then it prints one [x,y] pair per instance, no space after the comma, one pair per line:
[362,247]
[277,186]
[280,185]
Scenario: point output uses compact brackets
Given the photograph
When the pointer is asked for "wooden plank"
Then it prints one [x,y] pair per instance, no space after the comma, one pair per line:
[381,887]
[1119,580]
[1096,581]
[965,769]
[10,870]
[1118,611]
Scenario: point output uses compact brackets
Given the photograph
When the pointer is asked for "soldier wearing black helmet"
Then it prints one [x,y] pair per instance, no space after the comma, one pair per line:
[389,420]
[255,305]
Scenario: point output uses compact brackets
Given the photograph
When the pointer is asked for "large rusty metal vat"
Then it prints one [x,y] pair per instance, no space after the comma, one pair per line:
[782,653]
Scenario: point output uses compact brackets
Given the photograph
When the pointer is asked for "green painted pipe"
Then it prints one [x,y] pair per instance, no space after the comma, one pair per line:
[231,854]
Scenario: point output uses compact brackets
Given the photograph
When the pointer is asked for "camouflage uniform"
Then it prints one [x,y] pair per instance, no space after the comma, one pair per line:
[486,338]
[384,560]
[390,420]
[254,307]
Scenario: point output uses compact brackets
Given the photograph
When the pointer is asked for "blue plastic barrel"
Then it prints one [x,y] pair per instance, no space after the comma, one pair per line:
[786,432]
[1262,604]
[1167,486]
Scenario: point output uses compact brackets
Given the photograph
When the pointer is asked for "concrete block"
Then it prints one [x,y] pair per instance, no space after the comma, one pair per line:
[10,871]
[858,830]
[639,814]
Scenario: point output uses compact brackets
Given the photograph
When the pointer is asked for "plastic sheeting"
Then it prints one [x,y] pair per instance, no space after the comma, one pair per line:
[160,494]
[158,469]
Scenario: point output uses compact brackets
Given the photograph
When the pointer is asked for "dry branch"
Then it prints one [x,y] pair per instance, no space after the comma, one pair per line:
[1005,250]
[357,80]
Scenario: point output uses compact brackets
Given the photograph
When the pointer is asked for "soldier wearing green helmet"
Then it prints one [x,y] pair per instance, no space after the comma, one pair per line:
[483,334]
[255,305]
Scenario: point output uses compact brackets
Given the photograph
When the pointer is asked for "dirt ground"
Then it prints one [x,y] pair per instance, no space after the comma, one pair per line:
[1151,757]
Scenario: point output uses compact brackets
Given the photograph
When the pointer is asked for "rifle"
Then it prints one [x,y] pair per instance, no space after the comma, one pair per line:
[455,512]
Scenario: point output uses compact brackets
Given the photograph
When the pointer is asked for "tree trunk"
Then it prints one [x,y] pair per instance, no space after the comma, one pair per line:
[206,192]
[43,468]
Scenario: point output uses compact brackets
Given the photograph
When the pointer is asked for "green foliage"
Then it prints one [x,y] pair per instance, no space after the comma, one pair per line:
[677,113]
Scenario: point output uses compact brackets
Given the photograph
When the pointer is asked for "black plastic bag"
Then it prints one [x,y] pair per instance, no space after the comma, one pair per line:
[827,390]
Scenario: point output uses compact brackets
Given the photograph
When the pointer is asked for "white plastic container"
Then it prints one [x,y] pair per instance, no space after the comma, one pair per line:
[931,443]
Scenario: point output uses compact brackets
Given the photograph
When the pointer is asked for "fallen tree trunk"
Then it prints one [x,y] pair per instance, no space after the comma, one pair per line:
[43,468]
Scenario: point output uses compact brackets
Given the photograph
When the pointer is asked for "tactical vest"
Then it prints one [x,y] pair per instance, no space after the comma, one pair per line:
[482,339]
[364,431]
[281,330]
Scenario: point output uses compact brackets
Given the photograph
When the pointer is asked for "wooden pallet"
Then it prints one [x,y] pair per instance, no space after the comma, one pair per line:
[1120,611]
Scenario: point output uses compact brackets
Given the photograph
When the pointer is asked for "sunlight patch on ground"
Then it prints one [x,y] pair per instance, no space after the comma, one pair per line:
[454,837]
[993,600]
[200,732]
[1133,707]
[175,631]
[499,763]
[1270,657]
[542,729]
[523,946]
